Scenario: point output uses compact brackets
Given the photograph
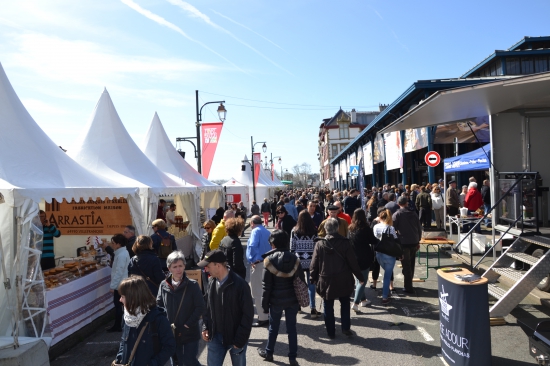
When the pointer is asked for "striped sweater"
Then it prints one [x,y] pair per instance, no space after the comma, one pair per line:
[47,241]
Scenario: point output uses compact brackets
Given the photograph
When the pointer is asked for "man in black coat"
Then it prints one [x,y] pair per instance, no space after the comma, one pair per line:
[486,196]
[229,311]
[409,232]
[351,203]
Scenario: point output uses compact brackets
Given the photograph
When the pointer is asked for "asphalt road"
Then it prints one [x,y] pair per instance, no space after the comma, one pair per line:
[404,333]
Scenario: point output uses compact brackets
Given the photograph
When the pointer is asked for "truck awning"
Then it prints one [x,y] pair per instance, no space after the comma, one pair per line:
[454,105]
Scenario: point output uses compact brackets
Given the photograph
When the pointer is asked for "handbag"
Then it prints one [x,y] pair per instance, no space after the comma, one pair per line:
[173,325]
[389,245]
[133,349]
[300,288]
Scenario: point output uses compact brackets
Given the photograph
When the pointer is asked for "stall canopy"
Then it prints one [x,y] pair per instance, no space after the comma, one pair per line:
[158,148]
[32,168]
[468,102]
[236,191]
[107,149]
[474,160]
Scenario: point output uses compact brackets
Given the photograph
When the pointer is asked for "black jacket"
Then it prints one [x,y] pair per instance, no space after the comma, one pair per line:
[408,227]
[145,354]
[205,239]
[238,311]
[266,207]
[486,195]
[350,204]
[362,241]
[147,265]
[280,267]
[191,310]
[287,224]
[233,249]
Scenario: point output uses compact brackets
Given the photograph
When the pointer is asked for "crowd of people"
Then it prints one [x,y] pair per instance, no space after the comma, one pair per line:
[322,240]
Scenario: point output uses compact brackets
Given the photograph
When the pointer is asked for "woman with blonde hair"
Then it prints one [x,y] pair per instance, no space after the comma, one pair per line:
[387,262]
[232,247]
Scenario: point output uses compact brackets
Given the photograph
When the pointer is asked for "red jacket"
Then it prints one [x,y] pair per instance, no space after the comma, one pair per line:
[473,200]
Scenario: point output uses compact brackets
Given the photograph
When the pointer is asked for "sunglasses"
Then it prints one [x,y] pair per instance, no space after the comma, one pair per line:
[280,212]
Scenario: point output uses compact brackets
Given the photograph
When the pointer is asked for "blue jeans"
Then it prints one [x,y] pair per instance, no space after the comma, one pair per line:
[487,210]
[360,289]
[310,290]
[275,313]
[186,354]
[387,263]
[217,352]
[344,315]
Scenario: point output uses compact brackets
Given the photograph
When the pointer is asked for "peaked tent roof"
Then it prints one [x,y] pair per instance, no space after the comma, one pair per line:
[34,164]
[158,148]
[107,148]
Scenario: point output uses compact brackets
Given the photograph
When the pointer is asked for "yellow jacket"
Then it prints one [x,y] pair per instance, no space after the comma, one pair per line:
[342,228]
[217,235]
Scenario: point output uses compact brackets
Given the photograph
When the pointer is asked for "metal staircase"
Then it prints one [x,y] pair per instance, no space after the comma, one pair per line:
[524,281]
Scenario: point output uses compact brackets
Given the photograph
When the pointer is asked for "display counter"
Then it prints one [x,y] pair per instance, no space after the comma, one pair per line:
[78,303]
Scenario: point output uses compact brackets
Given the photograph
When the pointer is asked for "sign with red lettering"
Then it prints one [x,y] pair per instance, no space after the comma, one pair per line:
[233,198]
[92,217]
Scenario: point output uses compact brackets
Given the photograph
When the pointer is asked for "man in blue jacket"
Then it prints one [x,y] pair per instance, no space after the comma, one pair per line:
[258,245]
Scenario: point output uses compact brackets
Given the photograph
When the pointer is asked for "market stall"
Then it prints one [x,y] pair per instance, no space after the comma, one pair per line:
[107,148]
[32,169]
[158,148]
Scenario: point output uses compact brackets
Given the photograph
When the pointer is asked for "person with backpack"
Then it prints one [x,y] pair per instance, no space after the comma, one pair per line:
[145,325]
[163,242]
[182,298]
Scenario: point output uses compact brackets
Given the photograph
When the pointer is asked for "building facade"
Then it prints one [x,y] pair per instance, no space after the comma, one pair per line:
[335,133]
[399,158]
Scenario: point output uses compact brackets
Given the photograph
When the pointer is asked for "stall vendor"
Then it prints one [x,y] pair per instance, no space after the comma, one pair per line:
[47,259]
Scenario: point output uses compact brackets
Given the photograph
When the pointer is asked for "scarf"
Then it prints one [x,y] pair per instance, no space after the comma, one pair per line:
[133,321]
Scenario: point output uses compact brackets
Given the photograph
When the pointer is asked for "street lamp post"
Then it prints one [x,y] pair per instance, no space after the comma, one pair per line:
[222,113]
[264,149]
[271,162]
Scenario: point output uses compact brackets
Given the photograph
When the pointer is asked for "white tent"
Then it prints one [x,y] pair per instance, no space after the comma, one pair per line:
[158,148]
[33,168]
[236,191]
[107,149]
[263,187]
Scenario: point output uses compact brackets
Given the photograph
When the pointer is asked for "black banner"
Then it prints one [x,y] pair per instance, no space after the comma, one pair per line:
[361,183]
[464,323]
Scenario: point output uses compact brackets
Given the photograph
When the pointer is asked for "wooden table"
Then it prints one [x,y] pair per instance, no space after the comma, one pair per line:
[432,243]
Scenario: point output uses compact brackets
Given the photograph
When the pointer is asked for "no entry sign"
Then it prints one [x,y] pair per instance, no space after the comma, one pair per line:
[432,158]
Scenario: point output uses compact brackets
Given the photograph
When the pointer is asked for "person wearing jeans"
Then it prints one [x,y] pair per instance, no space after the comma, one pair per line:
[330,322]
[302,243]
[281,267]
[386,262]
[217,352]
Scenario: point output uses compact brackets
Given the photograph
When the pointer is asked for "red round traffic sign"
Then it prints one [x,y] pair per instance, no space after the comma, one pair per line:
[432,158]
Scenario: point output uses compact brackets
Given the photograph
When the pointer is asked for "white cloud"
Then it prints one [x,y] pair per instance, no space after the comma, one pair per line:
[161,21]
[38,106]
[89,63]
[194,12]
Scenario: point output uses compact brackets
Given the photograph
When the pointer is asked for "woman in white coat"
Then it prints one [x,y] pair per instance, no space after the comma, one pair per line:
[437,207]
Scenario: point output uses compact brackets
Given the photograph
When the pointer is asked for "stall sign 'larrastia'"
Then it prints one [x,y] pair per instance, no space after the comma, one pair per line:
[99,217]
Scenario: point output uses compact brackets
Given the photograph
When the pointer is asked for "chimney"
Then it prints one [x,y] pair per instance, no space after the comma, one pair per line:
[381,107]
[353,116]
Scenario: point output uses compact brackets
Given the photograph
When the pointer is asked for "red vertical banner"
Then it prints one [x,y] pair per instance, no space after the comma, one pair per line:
[210,133]
[272,172]
[257,165]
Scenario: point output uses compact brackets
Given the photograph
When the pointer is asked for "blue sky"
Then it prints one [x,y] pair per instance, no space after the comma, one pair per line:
[306,58]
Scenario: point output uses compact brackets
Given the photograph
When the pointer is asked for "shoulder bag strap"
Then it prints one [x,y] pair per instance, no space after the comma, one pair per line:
[337,252]
[143,274]
[137,343]
[181,302]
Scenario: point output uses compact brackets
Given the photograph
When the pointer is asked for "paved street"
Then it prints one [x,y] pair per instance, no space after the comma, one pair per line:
[405,332]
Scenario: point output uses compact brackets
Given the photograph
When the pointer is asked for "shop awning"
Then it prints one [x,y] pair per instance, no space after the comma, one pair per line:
[474,160]
[452,105]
